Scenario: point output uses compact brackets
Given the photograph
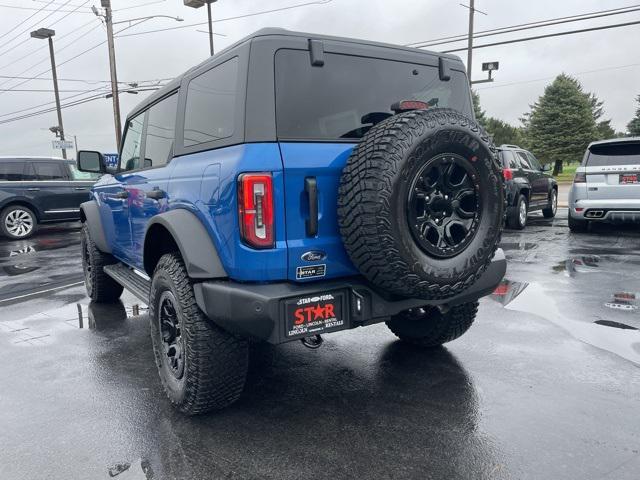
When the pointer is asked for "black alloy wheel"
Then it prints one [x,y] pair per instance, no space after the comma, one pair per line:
[443,206]
[171,334]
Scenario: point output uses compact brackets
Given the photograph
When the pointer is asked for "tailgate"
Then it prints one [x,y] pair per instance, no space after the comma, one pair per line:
[613,171]
[320,255]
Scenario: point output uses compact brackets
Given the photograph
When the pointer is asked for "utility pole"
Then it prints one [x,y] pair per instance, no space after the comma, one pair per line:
[470,45]
[106,4]
[47,33]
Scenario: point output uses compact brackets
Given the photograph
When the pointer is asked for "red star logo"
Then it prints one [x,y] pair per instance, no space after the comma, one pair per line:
[318,312]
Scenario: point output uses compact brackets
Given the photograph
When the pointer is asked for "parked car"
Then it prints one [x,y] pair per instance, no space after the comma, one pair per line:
[529,186]
[606,186]
[35,190]
[274,193]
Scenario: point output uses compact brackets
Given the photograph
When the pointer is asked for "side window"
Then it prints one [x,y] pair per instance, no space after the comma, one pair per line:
[130,156]
[524,161]
[78,175]
[211,104]
[49,171]
[161,122]
[11,171]
[535,164]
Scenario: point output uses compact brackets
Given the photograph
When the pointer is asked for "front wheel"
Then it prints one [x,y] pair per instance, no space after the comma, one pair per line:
[18,222]
[101,288]
[429,327]
[551,210]
[201,366]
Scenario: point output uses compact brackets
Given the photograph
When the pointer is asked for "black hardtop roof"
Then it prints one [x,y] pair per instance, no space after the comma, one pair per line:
[265,32]
[614,141]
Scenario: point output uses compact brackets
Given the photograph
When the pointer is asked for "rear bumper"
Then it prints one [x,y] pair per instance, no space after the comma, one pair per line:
[612,211]
[258,310]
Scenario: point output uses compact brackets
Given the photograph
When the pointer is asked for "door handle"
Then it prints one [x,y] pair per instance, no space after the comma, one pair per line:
[311,187]
[34,189]
[123,194]
[80,188]
[156,194]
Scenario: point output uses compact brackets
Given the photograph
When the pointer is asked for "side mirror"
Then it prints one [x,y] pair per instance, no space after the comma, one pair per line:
[92,162]
[547,167]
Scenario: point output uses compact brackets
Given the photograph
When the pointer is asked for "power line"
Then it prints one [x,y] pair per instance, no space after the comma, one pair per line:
[549,35]
[40,9]
[25,20]
[523,82]
[30,27]
[73,104]
[318,2]
[523,26]
[85,81]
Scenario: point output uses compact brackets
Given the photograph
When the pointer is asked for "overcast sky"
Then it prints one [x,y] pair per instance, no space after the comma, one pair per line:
[606,62]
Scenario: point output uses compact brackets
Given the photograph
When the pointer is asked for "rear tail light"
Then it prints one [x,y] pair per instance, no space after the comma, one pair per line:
[580,177]
[255,207]
[507,173]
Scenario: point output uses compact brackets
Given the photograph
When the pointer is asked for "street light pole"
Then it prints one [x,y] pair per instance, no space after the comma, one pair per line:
[198,4]
[112,67]
[47,33]
[210,28]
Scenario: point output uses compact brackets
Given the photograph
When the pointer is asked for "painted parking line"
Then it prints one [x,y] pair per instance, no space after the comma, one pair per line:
[39,292]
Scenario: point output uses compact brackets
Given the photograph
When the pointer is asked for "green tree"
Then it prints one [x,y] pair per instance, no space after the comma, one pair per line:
[502,132]
[633,127]
[480,115]
[604,130]
[561,123]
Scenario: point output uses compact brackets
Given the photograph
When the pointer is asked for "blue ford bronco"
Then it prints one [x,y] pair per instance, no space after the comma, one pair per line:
[294,185]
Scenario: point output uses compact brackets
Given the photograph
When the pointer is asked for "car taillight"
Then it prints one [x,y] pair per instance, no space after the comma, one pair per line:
[255,207]
[580,177]
[507,173]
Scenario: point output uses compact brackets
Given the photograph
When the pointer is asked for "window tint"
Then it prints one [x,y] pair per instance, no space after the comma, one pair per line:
[533,161]
[524,161]
[130,156]
[349,94]
[161,121]
[49,171]
[11,171]
[508,159]
[621,154]
[211,104]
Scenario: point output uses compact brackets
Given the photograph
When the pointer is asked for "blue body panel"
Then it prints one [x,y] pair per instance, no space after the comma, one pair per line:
[205,184]
[324,161]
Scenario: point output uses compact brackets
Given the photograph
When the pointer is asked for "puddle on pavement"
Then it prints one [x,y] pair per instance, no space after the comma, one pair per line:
[41,328]
[140,470]
[522,246]
[31,247]
[533,298]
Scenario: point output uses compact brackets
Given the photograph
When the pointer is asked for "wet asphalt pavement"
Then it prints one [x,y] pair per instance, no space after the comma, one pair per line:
[546,384]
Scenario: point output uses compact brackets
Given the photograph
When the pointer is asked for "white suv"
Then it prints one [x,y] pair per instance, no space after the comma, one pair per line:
[606,187]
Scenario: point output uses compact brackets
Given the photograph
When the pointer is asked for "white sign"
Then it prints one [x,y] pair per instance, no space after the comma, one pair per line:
[62,144]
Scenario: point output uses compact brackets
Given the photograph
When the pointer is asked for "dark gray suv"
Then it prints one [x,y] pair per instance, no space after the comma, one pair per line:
[36,190]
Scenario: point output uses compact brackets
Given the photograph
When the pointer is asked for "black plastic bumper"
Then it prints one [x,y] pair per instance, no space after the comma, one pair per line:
[258,310]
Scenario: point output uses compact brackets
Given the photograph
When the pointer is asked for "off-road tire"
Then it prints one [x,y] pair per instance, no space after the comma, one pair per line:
[101,287]
[551,210]
[372,208]
[215,361]
[25,211]
[578,226]
[514,221]
[429,327]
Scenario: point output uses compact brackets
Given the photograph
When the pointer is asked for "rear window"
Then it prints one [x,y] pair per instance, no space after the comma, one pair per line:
[11,171]
[349,94]
[508,159]
[620,154]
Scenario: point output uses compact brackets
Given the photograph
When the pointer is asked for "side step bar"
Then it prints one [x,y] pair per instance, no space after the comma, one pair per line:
[130,280]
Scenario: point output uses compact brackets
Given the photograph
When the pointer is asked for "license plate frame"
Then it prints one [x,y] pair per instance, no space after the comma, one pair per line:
[629,179]
[315,314]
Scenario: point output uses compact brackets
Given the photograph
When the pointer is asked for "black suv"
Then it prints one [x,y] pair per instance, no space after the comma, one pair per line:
[37,190]
[529,186]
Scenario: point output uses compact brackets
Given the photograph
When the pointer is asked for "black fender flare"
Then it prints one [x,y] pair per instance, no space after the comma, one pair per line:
[90,215]
[194,242]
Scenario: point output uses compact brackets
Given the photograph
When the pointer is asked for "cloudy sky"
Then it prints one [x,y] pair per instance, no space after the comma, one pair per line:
[606,62]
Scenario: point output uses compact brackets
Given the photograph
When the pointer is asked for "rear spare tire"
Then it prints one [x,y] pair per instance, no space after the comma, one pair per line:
[421,203]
